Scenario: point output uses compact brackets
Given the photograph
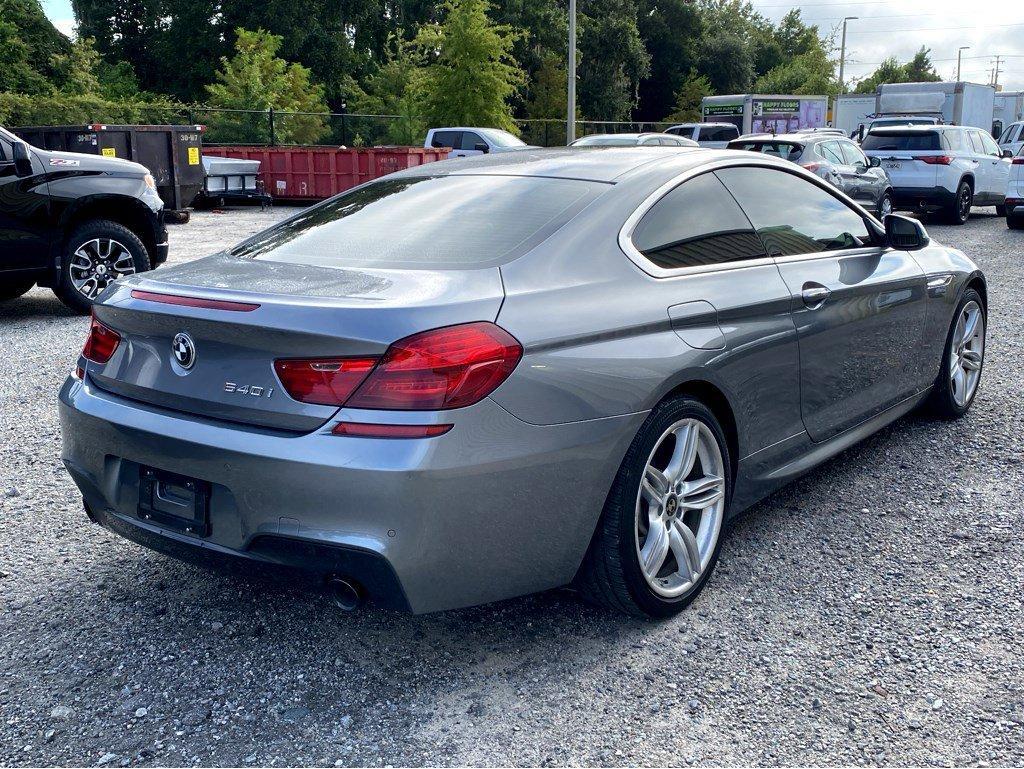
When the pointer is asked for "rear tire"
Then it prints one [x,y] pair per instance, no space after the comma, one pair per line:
[960,210]
[612,574]
[1000,210]
[954,392]
[1015,222]
[11,287]
[885,206]
[95,254]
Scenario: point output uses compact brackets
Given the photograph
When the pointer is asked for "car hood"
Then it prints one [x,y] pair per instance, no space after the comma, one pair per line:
[80,161]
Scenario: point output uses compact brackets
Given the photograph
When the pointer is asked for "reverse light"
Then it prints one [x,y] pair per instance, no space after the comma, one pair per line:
[446,368]
[366,430]
[935,160]
[101,343]
[325,381]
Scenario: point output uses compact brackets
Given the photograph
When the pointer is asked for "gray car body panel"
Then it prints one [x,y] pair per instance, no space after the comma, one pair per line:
[486,512]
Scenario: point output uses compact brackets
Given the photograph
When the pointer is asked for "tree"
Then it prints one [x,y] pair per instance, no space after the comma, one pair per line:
[387,92]
[255,79]
[16,71]
[28,44]
[727,63]
[807,73]
[688,99]
[78,67]
[612,59]
[918,70]
[547,103]
[671,31]
[467,74]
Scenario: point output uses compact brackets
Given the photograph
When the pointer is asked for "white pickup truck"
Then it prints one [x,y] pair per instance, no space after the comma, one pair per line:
[469,141]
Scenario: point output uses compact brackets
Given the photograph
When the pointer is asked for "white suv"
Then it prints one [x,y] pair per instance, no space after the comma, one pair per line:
[943,168]
[712,135]
[1015,193]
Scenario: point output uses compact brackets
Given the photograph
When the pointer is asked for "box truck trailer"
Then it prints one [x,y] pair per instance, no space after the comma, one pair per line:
[766,113]
[852,110]
[954,103]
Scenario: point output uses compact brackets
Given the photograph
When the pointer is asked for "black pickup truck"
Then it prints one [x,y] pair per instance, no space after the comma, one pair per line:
[74,222]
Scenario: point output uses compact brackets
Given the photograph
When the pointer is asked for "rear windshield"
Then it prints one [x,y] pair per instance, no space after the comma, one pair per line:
[784,150]
[905,140]
[625,140]
[443,222]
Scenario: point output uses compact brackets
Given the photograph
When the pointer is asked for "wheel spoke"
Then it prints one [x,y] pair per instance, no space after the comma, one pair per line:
[960,385]
[970,325]
[972,360]
[657,480]
[701,493]
[655,549]
[684,547]
[684,454]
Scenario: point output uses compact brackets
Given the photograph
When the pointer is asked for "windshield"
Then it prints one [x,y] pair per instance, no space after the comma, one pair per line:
[902,121]
[501,138]
[453,222]
[784,150]
[903,141]
[1007,135]
[607,140]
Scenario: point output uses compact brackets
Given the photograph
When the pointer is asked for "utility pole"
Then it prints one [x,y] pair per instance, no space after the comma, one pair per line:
[995,71]
[959,56]
[570,122]
[842,54]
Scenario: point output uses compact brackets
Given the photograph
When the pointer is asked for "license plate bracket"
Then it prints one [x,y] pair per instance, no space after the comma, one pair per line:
[174,501]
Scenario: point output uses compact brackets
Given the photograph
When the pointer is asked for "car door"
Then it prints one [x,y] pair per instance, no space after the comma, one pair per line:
[469,145]
[845,176]
[24,212]
[858,306]
[984,182]
[999,167]
[868,183]
[451,139]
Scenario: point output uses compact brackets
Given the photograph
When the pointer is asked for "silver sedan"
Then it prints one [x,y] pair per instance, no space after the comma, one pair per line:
[478,379]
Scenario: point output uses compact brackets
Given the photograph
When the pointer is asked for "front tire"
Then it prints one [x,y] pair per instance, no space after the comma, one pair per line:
[960,210]
[963,357]
[660,533]
[13,286]
[96,254]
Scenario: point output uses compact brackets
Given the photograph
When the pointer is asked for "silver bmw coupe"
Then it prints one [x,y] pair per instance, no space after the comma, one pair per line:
[478,379]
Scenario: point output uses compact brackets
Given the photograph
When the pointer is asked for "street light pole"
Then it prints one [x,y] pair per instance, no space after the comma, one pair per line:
[959,55]
[842,54]
[570,122]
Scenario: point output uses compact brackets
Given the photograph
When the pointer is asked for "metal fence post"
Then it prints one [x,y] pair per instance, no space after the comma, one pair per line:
[270,114]
[344,133]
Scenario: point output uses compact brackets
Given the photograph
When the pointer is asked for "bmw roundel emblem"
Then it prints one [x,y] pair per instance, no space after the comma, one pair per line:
[184,350]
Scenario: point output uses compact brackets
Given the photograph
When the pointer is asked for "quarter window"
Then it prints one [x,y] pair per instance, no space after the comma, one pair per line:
[793,215]
[697,223]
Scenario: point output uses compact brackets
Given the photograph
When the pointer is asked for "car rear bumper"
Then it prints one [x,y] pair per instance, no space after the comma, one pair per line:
[923,198]
[493,509]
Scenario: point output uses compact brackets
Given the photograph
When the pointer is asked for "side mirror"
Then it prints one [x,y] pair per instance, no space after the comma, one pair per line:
[875,162]
[481,147]
[1007,153]
[22,159]
[905,234]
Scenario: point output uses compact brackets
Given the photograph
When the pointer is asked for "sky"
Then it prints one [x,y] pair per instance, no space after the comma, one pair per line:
[884,28]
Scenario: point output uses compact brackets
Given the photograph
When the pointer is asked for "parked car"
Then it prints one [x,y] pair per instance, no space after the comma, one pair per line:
[941,168]
[633,140]
[825,130]
[1014,203]
[1012,138]
[74,222]
[833,158]
[466,142]
[891,121]
[713,135]
[582,382]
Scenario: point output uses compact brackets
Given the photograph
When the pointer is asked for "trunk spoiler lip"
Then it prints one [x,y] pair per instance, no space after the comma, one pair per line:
[184,300]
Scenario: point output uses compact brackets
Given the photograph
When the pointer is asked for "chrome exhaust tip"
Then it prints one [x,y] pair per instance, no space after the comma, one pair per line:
[347,594]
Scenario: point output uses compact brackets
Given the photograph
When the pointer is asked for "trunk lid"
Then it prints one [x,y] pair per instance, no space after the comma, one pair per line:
[286,311]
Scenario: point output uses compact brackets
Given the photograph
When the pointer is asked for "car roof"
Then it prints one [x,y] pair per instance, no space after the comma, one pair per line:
[923,128]
[599,164]
[796,136]
[687,125]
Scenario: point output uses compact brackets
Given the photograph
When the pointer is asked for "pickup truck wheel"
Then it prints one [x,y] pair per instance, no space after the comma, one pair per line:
[960,210]
[13,287]
[95,255]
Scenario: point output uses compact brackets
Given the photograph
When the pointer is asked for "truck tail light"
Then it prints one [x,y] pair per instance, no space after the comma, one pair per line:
[101,343]
[446,368]
[325,381]
[935,160]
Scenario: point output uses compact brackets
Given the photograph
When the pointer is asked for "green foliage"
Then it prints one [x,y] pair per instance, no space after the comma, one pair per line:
[35,36]
[387,92]
[612,59]
[687,104]
[727,63]
[467,74]
[16,70]
[71,109]
[78,68]
[806,73]
[547,104]
[671,31]
[918,70]
[255,79]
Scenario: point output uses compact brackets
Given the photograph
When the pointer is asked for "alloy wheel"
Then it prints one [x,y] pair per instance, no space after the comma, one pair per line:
[98,262]
[964,202]
[679,508]
[967,350]
[886,207]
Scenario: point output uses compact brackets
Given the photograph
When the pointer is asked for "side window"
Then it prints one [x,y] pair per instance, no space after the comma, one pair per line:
[686,132]
[470,140]
[5,151]
[852,153]
[975,142]
[991,148]
[955,140]
[730,133]
[451,139]
[697,223]
[793,215]
[831,152]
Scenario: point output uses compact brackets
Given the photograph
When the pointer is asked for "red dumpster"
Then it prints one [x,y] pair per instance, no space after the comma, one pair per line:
[315,173]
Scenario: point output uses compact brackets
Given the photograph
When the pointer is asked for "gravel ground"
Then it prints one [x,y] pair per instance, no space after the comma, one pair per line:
[870,613]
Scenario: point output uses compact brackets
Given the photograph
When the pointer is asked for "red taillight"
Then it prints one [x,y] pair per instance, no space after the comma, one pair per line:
[446,368]
[101,343]
[811,166]
[326,381]
[1010,202]
[1018,161]
[365,430]
[935,160]
[194,301]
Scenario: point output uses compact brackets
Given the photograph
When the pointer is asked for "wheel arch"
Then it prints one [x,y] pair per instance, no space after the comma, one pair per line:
[977,282]
[715,399]
[122,209]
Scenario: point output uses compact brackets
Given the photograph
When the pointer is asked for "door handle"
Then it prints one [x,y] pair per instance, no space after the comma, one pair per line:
[815,295]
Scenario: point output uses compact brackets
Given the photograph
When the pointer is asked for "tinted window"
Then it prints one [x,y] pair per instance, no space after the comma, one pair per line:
[793,215]
[902,141]
[784,150]
[990,147]
[696,223]
[470,140]
[426,223]
[686,132]
[447,139]
[852,154]
[5,150]
[719,134]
